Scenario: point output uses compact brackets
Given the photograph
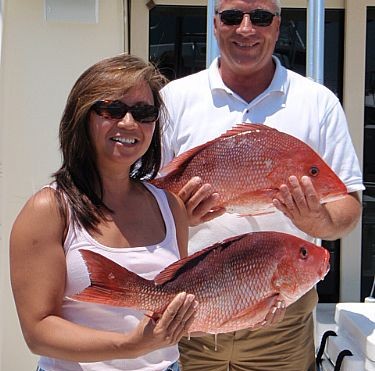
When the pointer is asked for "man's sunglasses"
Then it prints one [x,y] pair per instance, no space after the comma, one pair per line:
[116,110]
[258,17]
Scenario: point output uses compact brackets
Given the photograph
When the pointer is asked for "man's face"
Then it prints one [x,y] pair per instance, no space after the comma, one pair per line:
[246,48]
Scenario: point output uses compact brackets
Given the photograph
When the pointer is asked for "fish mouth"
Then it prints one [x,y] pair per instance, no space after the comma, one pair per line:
[325,267]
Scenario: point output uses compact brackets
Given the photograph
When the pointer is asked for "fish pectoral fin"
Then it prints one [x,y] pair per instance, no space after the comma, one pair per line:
[252,203]
[256,213]
[257,311]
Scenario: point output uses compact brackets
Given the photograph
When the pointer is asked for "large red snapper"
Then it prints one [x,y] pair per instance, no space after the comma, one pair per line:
[235,281]
[247,165]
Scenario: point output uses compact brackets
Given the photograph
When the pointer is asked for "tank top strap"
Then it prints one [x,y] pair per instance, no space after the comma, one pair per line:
[166,211]
[72,230]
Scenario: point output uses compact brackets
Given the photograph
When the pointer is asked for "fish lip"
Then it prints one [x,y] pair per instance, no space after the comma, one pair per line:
[325,267]
[324,271]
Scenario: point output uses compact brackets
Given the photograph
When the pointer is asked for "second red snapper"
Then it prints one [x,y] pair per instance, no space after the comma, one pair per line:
[247,165]
[235,282]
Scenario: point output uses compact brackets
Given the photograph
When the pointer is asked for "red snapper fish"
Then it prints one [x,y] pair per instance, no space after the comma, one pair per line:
[236,281]
[247,165]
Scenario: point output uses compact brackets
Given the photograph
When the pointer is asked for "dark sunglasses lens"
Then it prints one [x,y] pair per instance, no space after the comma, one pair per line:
[231,17]
[117,110]
[113,110]
[145,113]
[261,18]
[258,17]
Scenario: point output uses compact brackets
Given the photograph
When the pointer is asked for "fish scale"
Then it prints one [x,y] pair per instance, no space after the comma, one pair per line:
[235,282]
[247,165]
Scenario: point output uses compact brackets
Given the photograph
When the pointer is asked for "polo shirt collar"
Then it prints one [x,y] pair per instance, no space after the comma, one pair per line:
[279,83]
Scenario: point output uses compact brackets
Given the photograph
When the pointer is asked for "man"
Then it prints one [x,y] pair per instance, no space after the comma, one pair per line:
[247,84]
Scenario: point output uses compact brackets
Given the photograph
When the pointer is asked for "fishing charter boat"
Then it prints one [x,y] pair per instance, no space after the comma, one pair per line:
[348,340]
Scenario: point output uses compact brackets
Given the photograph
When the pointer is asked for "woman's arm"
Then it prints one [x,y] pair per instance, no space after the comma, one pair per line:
[38,272]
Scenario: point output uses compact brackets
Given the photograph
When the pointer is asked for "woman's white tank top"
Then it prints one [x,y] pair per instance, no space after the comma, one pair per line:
[146,261]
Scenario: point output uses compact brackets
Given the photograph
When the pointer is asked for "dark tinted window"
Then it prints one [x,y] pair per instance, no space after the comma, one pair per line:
[178,39]
[291,46]
[368,217]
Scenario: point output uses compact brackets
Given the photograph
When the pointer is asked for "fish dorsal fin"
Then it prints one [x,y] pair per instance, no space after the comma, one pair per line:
[245,128]
[182,265]
[183,159]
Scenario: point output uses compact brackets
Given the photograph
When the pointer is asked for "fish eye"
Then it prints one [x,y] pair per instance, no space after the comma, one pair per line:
[303,253]
[314,171]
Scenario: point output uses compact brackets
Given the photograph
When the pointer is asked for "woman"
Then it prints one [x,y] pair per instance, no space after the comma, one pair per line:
[100,200]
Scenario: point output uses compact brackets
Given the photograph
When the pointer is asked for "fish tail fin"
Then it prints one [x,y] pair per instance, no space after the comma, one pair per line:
[111,283]
[170,182]
[155,316]
[158,182]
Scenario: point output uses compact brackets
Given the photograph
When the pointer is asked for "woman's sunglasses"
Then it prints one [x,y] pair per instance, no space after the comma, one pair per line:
[258,17]
[116,110]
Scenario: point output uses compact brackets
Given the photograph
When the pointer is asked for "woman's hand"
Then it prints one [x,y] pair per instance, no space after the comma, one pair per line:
[170,327]
[200,201]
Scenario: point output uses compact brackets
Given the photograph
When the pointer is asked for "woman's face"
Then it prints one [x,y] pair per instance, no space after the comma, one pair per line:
[121,142]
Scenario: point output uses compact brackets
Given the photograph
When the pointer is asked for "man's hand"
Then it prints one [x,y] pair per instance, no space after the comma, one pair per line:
[200,201]
[274,316]
[299,201]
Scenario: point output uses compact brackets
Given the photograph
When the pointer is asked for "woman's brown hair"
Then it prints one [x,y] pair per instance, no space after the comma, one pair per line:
[78,180]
